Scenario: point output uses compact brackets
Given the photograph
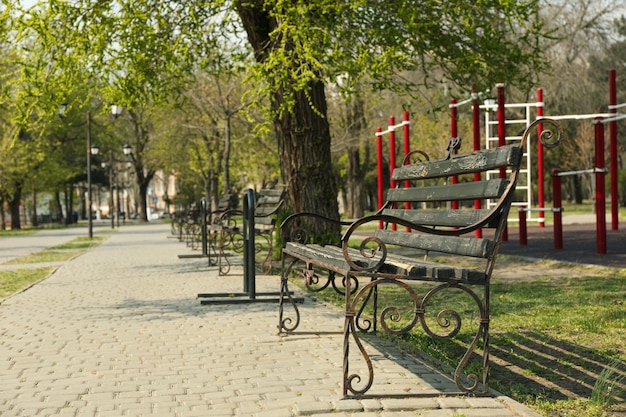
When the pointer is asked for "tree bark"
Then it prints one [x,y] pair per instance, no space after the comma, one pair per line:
[355,177]
[3,225]
[33,216]
[14,207]
[302,131]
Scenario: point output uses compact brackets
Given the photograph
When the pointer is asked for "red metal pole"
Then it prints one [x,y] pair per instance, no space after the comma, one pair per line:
[523,232]
[557,205]
[600,189]
[502,139]
[613,152]
[454,132]
[540,191]
[379,161]
[407,149]
[392,156]
[476,134]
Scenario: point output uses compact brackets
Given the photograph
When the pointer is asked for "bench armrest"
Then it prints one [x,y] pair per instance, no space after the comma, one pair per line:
[290,233]
[226,218]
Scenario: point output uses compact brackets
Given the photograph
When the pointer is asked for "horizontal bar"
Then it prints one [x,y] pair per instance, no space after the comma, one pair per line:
[393,128]
[553,209]
[612,118]
[578,116]
[582,171]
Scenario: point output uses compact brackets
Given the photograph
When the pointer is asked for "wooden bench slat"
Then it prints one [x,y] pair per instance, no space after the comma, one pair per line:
[268,221]
[409,268]
[448,218]
[319,255]
[264,211]
[465,164]
[275,192]
[460,245]
[452,192]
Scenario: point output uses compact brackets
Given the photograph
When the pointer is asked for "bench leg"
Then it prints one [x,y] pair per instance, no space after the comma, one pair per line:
[448,324]
[266,262]
[287,324]
[467,383]
[352,329]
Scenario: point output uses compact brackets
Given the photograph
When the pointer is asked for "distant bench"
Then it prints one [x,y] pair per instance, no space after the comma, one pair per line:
[422,206]
[226,232]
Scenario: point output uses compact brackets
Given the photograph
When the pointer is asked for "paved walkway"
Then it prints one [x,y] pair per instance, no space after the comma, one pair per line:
[119,331]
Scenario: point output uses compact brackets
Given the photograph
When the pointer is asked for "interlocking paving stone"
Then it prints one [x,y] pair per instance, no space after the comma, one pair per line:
[119,331]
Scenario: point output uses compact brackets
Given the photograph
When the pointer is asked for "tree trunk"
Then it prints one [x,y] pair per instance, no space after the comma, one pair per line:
[3,224]
[226,156]
[578,189]
[14,207]
[33,214]
[302,131]
[59,207]
[355,196]
[356,168]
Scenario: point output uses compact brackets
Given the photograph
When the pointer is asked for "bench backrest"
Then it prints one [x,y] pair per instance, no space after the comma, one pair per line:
[429,188]
[267,205]
[449,230]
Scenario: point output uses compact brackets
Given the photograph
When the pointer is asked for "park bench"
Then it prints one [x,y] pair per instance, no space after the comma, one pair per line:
[392,256]
[227,234]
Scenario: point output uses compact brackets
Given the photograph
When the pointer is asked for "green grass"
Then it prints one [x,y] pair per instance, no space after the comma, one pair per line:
[16,280]
[12,282]
[45,256]
[547,336]
[59,253]
[80,243]
[21,232]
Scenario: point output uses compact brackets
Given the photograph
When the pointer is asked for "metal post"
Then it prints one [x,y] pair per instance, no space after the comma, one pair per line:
[249,277]
[476,140]
[407,150]
[613,152]
[502,140]
[454,133]
[523,232]
[392,156]
[203,212]
[600,189]
[540,190]
[111,197]
[89,221]
[557,205]
[379,162]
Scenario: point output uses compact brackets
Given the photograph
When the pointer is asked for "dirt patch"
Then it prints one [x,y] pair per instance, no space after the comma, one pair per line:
[513,269]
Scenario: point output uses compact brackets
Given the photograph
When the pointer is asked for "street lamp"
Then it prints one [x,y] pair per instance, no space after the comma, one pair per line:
[109,166]
[91,150]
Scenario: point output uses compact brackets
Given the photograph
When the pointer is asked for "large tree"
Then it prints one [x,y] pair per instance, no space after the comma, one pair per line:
[300,46]
[143,50]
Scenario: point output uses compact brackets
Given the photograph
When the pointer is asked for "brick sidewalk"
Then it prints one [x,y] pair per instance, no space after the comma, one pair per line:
[118,331]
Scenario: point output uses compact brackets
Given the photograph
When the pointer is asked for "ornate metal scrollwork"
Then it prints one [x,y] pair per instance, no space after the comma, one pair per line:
[549,138]
[447,319]
[287,324]
[299,235]
[366,253]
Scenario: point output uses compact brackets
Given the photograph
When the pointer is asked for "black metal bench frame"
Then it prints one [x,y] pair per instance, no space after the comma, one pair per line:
[432,230]
[226,233]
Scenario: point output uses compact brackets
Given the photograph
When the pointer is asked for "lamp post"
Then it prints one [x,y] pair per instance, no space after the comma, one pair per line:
[127,149]
[91,150]
[109,165]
